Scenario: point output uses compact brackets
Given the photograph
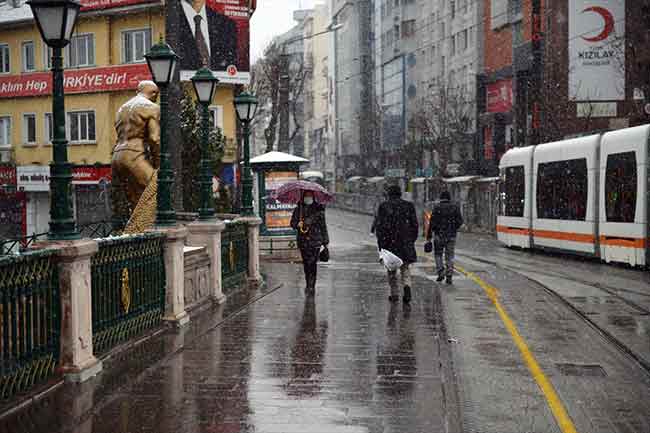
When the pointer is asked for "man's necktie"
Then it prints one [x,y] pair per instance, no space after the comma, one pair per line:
[201,42]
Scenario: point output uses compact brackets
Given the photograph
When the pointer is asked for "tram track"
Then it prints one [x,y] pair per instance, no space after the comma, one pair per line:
[642,362]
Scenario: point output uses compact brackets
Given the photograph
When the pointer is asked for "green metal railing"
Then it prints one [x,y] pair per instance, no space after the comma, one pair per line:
[128,288]
[234,255]
[30,322]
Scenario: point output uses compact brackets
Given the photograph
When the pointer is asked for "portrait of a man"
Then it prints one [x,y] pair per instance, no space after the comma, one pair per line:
[206,37]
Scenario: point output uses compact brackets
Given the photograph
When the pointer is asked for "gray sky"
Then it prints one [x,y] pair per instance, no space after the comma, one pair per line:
[273,17]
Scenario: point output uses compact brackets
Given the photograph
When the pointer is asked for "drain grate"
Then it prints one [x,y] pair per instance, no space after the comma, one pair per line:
[581,370]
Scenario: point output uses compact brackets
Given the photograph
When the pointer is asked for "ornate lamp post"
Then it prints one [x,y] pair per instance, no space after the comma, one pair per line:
[56,20]
[205,84]
[162,63]
[246,107]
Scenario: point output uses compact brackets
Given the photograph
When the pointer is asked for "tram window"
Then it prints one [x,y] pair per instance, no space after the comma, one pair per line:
[620,187]
[513,192]
[562,190]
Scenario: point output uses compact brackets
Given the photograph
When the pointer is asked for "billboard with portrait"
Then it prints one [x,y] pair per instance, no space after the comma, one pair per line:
[277,216]
[214,33]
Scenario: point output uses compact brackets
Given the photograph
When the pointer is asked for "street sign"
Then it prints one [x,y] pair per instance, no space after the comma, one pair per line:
[395,172]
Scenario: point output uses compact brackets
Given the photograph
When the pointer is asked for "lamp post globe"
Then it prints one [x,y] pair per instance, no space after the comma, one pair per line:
[205,84]
[56,20]
[246,108]
[162,65]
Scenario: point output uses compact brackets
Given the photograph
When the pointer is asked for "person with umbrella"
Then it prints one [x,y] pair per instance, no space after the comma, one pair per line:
[308,220]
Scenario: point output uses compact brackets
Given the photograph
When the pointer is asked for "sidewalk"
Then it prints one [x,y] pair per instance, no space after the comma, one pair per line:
[344,361]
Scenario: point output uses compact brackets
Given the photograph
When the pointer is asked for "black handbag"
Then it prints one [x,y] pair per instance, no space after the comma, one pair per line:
[428,247]
[324,255]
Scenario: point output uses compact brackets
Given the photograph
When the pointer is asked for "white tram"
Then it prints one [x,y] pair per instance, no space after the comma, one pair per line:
[585,195]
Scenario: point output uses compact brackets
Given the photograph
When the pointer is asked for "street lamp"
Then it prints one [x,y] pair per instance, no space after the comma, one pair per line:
[56,20]
[246,106]
[162,63]
[205,84]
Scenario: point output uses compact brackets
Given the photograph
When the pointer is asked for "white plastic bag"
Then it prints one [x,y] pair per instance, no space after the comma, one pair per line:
[390,260]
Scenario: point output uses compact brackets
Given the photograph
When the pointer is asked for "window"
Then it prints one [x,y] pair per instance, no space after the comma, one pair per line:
[28,56]
[465,40]
[562,190]
[408,28]
[135,44]
[621,187]
[81,126]
[453,45]
[216,116]
[49,128]
[513,192]
[47,56]
[518,34]
[515,10]
[396,31]
[5,131]
[80,51]
[452,8]
[29,128]
[498,13]
[5,59]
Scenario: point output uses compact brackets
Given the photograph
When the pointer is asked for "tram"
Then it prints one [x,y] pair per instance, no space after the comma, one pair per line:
[585,195]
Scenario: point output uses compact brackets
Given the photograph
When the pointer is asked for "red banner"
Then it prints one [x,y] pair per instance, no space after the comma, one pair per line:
[90,174]
[106,79]
[93,5]
[499,96]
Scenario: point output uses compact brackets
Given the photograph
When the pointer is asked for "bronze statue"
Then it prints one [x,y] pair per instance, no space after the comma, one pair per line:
[136,156]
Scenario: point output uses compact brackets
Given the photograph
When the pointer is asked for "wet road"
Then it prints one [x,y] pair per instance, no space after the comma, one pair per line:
[459,359]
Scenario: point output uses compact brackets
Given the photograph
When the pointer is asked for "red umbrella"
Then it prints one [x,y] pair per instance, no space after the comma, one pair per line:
[292,192]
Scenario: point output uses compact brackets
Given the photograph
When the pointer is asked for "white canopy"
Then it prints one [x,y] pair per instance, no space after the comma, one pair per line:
[312,173]
[459,179]
[278,157]
[355,178]
[376,179]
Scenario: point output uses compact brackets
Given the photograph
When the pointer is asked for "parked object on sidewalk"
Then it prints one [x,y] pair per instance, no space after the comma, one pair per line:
[292,192]
[446,219]
[308,220]
[396,227]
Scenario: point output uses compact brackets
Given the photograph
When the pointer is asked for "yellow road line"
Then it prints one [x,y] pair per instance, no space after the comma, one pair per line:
[553,400]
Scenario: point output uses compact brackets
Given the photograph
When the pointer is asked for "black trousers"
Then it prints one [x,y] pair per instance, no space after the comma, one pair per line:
[310,265]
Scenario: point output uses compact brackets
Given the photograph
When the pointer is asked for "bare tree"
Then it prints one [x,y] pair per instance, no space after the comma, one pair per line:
[442,118]
[275,79]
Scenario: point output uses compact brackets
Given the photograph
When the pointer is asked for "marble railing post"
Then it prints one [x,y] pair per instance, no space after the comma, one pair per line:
[254,276]
[175,313]
[208,234]
[78,362]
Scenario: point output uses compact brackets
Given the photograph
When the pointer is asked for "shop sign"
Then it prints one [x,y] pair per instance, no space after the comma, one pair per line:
[106,79]
[33,177]
[93,5]
[499,96]
[90,175]
[7,175]
[597,109]
[395,172]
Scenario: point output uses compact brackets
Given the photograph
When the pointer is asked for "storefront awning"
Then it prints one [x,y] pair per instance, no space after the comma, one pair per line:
[460,179]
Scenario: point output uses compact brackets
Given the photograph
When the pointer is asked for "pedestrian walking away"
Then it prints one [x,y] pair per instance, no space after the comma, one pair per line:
[446,219]
[396,228]
[308,220]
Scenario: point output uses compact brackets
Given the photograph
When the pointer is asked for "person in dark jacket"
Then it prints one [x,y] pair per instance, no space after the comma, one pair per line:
[446,219]
[308,220]
[396,227]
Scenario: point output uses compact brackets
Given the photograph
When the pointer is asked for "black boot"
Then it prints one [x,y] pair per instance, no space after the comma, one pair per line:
[407,294]
[448,279]
[441,277]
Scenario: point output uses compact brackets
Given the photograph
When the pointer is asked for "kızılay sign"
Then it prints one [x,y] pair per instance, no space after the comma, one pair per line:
[104,79]
[499,96]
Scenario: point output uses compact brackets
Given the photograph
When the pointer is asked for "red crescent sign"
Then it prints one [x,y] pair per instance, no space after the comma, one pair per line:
[608,28]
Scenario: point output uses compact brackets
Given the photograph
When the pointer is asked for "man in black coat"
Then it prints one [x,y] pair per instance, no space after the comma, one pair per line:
[446,219]
[216,44]
[396,227]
